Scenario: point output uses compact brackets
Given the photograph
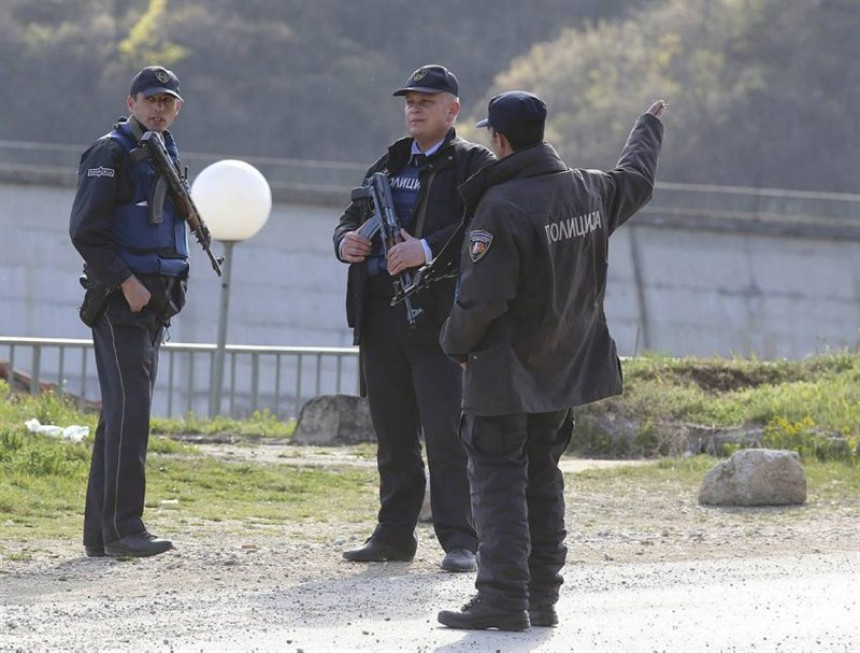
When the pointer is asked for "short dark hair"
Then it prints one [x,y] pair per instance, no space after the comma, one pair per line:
[524,135]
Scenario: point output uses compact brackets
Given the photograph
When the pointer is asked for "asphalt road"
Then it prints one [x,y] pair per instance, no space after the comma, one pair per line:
[804,603]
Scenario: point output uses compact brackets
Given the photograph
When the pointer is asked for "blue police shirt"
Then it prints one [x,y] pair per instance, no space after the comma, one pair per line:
[404,192]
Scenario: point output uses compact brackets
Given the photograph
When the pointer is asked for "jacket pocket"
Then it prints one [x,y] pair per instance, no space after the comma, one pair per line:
[487,385]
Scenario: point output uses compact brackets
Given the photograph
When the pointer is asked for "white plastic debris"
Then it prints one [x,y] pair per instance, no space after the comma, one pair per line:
[73,433]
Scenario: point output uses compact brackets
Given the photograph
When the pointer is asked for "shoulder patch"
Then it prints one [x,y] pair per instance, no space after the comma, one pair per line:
[100,172]
[479,244]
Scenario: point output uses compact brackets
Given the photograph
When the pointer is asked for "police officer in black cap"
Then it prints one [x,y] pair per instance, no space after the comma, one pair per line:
[412,387]
[136,264]
[529,331]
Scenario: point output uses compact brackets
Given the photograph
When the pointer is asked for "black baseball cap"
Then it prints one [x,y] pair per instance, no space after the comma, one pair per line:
[153,80]
[513,109]
[431,79]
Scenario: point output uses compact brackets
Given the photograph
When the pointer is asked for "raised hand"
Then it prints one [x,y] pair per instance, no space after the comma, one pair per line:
[657,108]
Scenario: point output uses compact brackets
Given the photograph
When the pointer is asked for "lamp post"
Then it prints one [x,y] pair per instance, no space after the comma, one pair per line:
[235,200]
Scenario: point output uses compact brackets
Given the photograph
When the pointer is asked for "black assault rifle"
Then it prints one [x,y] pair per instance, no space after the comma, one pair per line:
[153,142]
[384,221]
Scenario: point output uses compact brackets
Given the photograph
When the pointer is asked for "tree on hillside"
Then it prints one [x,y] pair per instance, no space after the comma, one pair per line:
[761,93]
[292,78]
[313,78]
[52,55]
[146,43]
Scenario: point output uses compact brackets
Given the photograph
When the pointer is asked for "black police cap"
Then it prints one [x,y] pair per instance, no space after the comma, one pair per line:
[513,109]
[430,79]
[153,80]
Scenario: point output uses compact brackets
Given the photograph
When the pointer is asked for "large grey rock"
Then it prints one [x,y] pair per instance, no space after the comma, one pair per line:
[334,419]
[755,477]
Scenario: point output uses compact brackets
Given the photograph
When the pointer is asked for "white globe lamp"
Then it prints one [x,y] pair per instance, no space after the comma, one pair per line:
[235,200]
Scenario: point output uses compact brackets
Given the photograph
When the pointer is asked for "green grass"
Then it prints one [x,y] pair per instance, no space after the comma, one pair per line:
[720,392]
[44,483]
[229,491]
[260,424]
[48,408]
[43,479]
[794,401]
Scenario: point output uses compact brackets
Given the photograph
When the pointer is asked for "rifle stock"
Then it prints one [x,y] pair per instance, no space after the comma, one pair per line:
[370,227]
[153,142]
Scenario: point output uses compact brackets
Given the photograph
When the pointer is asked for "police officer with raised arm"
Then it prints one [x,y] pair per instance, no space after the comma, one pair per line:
[529,331]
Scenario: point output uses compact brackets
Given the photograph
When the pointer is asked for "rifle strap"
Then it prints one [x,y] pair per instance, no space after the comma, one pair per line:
[421,214]
[156,202]
[138,153]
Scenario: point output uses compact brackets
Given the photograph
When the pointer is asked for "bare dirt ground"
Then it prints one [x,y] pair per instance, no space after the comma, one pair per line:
[646,571]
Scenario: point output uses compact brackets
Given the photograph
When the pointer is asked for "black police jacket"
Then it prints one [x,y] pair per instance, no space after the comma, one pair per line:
[528,317]
[454,162]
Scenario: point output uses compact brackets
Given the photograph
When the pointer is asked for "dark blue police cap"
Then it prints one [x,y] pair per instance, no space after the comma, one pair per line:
[513,109]
[153,80]
[430,79]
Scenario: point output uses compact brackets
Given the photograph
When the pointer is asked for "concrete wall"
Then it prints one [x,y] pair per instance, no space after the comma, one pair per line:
[286,286]
[680,286]
[720,293]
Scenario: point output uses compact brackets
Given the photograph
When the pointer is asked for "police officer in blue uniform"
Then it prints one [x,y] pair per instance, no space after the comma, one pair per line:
[134,245]
[529,331]
[412,387]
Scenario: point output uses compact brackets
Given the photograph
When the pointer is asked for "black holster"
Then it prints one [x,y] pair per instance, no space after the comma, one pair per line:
[95,300]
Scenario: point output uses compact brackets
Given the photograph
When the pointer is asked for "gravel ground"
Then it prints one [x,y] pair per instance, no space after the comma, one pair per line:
[653,572]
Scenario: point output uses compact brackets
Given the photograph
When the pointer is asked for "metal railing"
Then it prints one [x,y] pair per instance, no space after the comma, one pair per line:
[276,379]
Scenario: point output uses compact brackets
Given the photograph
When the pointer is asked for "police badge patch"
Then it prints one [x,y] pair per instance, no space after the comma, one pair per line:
[479,244]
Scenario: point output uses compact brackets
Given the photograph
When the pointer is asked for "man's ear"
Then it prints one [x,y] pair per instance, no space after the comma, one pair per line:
[504,145]
[454,110]
[129,102]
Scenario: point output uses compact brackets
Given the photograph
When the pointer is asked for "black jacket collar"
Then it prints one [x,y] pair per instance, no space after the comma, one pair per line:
[532,161]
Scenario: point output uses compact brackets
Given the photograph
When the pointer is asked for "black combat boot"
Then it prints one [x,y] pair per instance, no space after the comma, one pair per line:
[543,615]
[477,614]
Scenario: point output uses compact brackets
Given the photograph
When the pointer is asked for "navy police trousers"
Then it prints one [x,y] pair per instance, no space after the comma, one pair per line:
[126,349]
[518,504]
